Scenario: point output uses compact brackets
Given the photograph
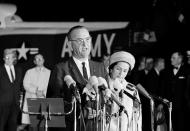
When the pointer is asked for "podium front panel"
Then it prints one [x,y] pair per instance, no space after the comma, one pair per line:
[41,105]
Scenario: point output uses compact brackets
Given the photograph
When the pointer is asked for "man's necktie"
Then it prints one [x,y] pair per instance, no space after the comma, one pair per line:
[175,68]
[84,71]
[12,77]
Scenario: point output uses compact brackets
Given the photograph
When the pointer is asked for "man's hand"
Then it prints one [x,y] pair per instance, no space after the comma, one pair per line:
[40,94]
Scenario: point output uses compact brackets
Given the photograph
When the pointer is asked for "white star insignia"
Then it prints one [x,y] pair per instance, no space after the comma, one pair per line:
[22,52]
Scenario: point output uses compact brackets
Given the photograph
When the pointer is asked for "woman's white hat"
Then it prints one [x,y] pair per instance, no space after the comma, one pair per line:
[122,56]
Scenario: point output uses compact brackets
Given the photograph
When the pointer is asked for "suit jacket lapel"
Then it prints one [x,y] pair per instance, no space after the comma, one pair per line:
[6,73]
[16,73]
[180,71]
[92,69]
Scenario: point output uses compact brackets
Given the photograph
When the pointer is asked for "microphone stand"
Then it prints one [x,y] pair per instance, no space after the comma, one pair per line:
[75,119]
[152,114]
[103,117]
[97,109]
[47,114]
[81,117]
[169,104]
[170,118]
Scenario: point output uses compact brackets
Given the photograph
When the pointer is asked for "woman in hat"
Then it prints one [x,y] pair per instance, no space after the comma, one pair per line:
[125,115]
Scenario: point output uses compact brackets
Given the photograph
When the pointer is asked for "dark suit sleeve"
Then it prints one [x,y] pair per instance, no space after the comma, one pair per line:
[18,84]
[100,70]
[53,90]
[60,89]
[56,82]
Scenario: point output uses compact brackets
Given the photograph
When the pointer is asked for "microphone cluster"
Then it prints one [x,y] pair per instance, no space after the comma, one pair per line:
[98,83]
[72,85]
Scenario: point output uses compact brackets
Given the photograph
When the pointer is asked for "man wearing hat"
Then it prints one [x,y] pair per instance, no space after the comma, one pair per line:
[10,83]
[130,118]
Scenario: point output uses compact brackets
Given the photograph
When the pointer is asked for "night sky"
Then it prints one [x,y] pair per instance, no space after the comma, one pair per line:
[142,14]
[91,10]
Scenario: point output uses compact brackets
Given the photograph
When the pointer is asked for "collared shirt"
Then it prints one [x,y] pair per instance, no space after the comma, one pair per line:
[36,79]
[157,72]
[79,65]
[9,73]
[175,70]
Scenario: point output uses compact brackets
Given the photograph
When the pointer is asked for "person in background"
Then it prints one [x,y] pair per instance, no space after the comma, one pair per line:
[188,57]
[137,74]
[10,85]
[154,80]
[141,63]
[78,69]
[154,83]
[138,77]
[149,63]
[130,118]
[175,80]
[187,94]
[35,84]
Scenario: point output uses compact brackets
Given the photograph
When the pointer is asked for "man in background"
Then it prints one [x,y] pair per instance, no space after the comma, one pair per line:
[175,87]
[35,84]
[10,84]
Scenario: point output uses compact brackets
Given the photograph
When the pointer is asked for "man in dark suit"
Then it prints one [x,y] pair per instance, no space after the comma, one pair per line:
[10,83]
[154,84]
[79,41]
[175,87]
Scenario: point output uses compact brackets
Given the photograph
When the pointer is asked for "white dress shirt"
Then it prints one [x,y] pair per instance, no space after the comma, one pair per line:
[8,71]
[79,65]
[175,70]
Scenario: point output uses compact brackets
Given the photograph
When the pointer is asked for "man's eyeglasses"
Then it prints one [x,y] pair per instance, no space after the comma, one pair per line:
[82,40]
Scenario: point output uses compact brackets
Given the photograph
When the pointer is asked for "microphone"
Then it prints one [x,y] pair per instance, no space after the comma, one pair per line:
[119,104]
[141,89]
[130,86]
[131,96]
[161,99]
[72,85]
[94,82]
[103,85]
[121,84]
[102,82]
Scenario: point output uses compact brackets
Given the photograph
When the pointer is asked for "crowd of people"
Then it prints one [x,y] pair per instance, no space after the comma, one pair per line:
[112,95]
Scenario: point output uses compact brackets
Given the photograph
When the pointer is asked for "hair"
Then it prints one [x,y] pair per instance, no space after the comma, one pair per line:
[9,51]
[37,55]
[111,67]
[34,59]
[158,60]
[72,29]
[180,54]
